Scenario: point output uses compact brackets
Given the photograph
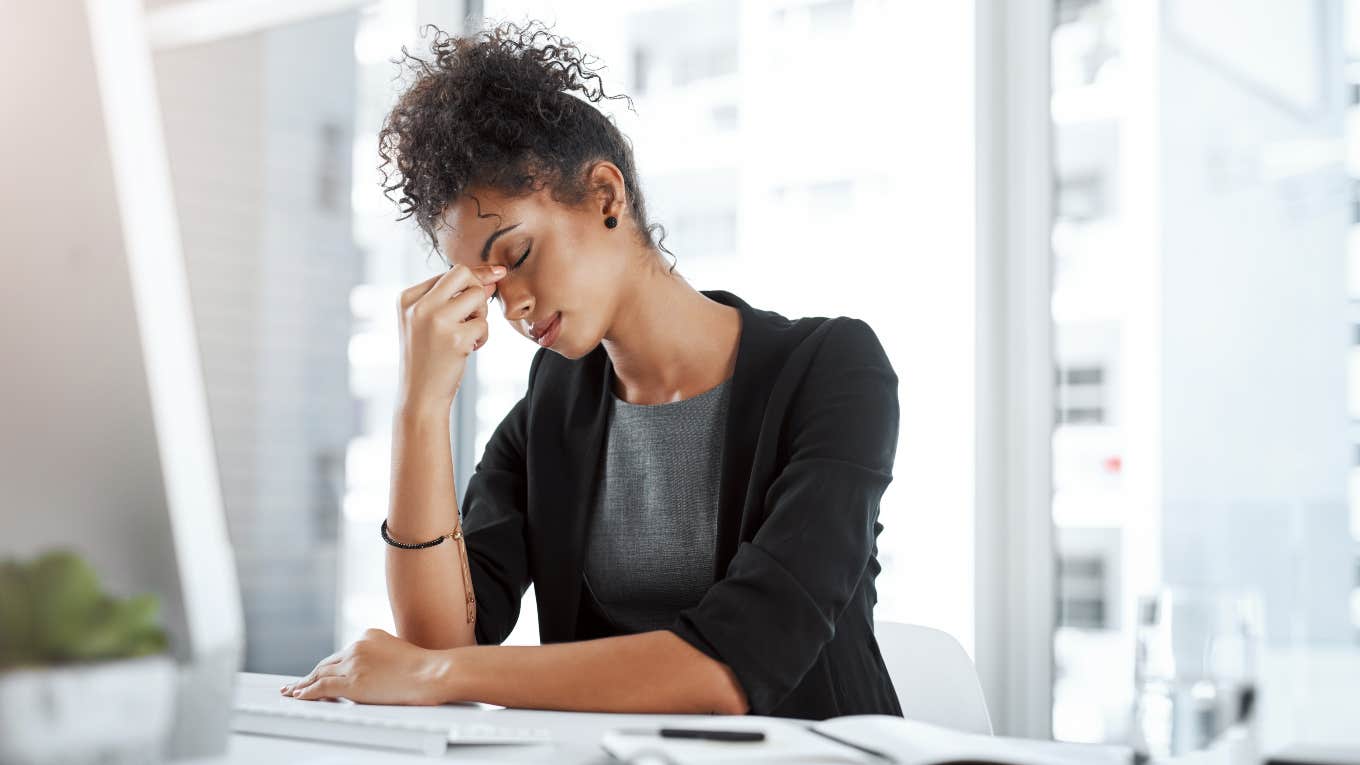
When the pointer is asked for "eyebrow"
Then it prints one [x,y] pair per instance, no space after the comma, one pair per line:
[490,240]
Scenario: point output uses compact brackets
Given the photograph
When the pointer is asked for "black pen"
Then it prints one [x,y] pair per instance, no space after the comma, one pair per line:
[713,735]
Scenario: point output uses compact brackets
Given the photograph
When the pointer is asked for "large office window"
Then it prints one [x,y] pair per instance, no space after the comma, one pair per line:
[1205,432]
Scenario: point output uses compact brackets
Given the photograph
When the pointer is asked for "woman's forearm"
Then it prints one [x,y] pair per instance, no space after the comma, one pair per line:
[653,672]
[426,587]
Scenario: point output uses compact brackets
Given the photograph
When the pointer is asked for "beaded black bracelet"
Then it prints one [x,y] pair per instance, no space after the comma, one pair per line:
[455,534]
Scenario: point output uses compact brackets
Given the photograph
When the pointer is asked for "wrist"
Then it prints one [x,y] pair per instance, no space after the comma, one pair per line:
[416,408]
[453,679]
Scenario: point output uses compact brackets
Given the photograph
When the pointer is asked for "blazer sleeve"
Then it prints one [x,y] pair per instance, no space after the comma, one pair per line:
[777,605]
[493,518]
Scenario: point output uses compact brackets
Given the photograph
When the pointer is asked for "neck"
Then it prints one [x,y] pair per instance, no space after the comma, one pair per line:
[669,341]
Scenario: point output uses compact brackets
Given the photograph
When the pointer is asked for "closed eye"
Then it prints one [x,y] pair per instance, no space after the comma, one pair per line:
[497,294]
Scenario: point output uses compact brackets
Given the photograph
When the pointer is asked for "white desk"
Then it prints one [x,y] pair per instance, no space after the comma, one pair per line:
[1309,699]
[576,735]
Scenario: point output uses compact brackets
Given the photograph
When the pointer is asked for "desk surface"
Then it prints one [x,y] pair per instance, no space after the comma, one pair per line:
[1309,698]
[576,735]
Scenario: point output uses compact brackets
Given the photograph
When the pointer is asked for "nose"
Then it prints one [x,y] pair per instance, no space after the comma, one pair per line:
[517,307]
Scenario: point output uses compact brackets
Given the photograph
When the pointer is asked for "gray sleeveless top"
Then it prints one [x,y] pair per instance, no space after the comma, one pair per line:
[652,528]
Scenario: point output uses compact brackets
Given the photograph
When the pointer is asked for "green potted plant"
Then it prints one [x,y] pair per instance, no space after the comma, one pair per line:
[84,676]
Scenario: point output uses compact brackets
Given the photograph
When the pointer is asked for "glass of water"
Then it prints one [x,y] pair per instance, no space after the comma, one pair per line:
[1196,669]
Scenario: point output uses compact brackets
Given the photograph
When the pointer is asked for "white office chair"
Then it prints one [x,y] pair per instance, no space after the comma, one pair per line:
[936,682]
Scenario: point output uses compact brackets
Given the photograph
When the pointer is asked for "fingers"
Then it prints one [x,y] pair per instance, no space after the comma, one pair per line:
[330,687]
[469,305]
[460,278]
[468,309]
[333,659]
[455,302]
[451,282]
[467,316]
[411,294]
[330,670]
[449,294]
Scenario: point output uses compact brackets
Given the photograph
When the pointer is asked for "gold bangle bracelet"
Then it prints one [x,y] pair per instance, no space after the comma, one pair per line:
[457,536]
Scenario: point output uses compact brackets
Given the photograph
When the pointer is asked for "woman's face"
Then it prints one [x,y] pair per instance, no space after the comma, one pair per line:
[562,264]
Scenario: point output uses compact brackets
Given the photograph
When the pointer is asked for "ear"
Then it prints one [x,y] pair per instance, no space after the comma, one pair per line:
[609,191]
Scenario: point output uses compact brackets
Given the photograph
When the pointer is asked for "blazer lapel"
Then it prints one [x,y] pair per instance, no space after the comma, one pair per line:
[751,380]
[569,491]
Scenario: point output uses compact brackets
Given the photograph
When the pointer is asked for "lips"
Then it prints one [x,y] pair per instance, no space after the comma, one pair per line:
[537,330]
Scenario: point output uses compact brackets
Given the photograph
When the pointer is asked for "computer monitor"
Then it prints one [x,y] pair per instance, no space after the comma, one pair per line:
[105,444]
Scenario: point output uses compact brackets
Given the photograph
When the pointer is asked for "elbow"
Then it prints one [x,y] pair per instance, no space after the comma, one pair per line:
[729,703]
[706,685]
[709,686]
[728,697]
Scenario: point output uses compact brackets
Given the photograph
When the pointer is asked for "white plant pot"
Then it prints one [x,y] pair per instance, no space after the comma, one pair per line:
[117,711]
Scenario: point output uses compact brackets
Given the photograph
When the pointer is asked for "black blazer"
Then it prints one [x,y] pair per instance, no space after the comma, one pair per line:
[810,440]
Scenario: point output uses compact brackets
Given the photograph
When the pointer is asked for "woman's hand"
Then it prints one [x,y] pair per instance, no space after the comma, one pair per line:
[379,668]
[442,321]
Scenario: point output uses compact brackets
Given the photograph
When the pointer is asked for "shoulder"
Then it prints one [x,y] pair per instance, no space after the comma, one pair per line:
[835,382]
[842,403]
[789,345]
[853,340]
[837,345]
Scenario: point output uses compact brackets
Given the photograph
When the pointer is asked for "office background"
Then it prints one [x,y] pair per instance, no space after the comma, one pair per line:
[1108,244]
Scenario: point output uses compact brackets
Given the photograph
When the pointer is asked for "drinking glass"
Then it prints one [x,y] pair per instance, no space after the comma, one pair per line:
[1196,670]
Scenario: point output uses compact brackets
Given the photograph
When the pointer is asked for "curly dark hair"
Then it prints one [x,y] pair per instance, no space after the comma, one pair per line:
[510,108]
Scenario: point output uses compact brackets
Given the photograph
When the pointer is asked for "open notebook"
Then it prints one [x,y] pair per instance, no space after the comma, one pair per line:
[871,739]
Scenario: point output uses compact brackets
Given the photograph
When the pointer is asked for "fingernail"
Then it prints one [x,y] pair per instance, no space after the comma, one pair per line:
[498,270]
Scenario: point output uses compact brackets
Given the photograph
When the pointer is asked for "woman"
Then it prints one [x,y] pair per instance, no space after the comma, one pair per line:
[691,483]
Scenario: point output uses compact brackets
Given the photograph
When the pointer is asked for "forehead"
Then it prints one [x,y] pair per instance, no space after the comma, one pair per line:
[467,222]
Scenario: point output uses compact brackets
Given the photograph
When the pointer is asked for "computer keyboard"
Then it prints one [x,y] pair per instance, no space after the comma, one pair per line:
[341,723]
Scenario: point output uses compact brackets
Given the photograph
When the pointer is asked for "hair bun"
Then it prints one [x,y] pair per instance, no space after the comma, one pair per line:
[512,108]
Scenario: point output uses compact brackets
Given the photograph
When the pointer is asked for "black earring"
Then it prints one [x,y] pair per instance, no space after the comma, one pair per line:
[611,222]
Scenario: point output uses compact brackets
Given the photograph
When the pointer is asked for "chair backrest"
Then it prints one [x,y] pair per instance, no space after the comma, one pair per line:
[936,682]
